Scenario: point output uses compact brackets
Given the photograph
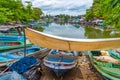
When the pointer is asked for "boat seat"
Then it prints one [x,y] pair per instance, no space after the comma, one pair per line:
[96,53]
[107,59]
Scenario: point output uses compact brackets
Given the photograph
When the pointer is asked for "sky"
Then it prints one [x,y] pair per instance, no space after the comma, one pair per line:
[55,7]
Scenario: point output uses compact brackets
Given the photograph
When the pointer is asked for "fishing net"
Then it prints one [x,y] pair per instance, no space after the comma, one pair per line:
[12,76]
[23,64]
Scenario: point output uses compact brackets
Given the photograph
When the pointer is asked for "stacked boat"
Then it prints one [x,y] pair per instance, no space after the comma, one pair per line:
[17,53]
[60,61]
[13,42]
[107,63]
[12,48]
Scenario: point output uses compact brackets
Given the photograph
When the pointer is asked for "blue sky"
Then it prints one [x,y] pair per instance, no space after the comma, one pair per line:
[55,7]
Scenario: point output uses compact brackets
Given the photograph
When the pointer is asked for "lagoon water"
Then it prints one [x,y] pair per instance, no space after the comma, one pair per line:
[77,31]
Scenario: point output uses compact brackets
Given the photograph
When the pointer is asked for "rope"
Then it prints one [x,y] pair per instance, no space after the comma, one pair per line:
[7,64]
[5,70]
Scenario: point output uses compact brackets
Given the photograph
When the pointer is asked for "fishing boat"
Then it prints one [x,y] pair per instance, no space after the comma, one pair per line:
[114,53]
[106,65]
[10,59]
[26,66]
[12,44]
[72,44]
[60,61]
[11,38]
[18,53]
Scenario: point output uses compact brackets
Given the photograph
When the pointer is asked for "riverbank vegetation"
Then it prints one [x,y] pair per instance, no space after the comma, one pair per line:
[108,10]
[14,10]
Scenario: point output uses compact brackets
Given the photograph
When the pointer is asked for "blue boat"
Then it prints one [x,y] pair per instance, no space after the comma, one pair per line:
[7,45]
[11,38]
[17,53]
[2,59]
[60,61]
[12,42]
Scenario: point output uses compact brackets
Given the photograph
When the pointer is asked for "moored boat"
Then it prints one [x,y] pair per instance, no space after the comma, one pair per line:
[60,61]
[106,65]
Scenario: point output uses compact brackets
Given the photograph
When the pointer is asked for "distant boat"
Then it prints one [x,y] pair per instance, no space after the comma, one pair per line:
[6,45]
[107,66]
[60,61]
[17,53]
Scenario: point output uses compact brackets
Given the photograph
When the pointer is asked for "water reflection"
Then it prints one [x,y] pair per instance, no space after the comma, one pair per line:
[76,31]
[66,30]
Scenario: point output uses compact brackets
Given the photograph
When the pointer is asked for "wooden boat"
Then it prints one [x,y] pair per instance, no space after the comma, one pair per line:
[118,50]
[11,38]
[6,45]
[25,66]
[60,62]
[17,53]
[61,43]
[115,54]
[105,65]
[38,54]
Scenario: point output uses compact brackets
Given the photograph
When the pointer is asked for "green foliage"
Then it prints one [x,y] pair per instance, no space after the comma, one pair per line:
[66,17]
[36,13]
[14,10]
[109,10]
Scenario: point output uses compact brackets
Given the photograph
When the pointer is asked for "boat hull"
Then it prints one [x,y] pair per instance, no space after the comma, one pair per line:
[60,64]
[6,45]
[107,70]
[11,38]
[60,72]
[17,54]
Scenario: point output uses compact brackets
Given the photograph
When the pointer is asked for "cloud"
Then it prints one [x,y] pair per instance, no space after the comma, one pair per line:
[72,7]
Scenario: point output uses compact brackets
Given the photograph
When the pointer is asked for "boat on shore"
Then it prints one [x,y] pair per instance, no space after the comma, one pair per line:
[12,56]
[106,65]
[60,61]
[38,54]
[13,44]
[115,54]
[19,53]
[11,38]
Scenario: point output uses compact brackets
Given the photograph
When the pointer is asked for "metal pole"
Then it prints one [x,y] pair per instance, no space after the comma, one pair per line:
[24,42]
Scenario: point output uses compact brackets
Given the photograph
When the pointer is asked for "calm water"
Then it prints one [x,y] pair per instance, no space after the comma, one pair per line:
[77,31]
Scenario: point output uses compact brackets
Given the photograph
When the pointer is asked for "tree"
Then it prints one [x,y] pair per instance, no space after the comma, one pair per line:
[109,10]
[36,13]
[14,10]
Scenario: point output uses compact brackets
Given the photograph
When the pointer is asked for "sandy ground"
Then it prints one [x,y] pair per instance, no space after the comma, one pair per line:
[81,72]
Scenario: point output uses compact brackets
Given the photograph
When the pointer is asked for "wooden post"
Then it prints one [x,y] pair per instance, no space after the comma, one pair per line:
[19,31]
[24,42]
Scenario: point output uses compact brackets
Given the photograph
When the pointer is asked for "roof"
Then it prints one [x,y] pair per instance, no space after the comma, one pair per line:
[8,27]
